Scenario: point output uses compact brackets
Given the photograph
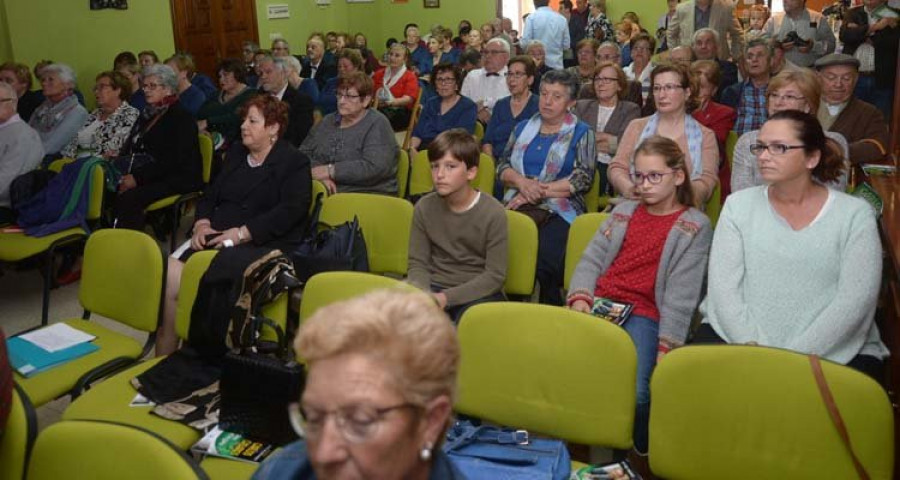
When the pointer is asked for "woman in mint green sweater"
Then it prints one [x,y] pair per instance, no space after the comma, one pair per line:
[795,265]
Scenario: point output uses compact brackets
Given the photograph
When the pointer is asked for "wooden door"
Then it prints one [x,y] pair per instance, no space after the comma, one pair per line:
[212,30]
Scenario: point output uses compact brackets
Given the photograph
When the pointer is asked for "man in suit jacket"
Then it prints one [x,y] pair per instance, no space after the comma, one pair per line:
[316,65]
[871,33]
[715,14]
[273,79]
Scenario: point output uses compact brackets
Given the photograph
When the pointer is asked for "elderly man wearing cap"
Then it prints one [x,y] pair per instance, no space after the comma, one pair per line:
[871,33]
[859,122]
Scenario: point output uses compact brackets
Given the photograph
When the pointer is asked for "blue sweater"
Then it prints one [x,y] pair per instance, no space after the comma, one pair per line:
[432,123]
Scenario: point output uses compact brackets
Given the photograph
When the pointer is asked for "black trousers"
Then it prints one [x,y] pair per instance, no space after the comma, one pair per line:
[130,205]
[551,260]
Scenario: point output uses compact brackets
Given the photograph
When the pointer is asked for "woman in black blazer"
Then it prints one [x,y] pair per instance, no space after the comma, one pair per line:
[167,133]
[258,202]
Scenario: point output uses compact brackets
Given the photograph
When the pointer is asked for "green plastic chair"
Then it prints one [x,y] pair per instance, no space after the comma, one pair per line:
[549,370]
[177,202]
[317,188]
[386,222]
[521,263]
[743,412]
[487,172]
[122,279]
[420,174]
[402,173]
[713,206]
[329,287]
[226,469]
[15,247]
[479,132]
[18,436]
[109,400]
[592,197]
[581,232]
[85,450]
[730,143]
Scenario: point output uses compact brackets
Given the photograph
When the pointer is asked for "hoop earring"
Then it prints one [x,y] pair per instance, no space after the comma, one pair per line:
[425,453]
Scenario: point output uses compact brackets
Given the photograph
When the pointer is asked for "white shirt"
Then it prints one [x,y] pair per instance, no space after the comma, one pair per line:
[480,87]
[552,30]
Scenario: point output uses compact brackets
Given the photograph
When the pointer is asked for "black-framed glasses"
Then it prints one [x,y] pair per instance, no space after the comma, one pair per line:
[357,424]
[152,86]
[773,148]
[653,177]
[346,95]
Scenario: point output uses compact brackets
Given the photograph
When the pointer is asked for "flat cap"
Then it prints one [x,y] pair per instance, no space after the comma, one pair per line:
[833,59]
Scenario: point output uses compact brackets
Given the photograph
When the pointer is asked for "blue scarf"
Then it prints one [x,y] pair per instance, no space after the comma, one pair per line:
[694,135]
[556,158]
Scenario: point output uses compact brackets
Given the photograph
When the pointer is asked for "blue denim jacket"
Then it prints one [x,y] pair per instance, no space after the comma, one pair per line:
[292,463]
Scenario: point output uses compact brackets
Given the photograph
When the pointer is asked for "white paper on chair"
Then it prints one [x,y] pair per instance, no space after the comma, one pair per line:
[57,337]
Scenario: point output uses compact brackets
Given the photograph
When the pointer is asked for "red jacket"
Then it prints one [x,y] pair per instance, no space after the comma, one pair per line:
[407,85]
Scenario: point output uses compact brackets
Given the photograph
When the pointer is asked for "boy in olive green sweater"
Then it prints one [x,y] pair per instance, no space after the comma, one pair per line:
[458,245]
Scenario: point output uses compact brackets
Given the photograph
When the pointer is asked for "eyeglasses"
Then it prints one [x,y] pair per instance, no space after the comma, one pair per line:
[773,148]
[668,88]
[357,424]
[653,177]
[786,98]
[152,86]
[346,96]
[516,74]
[605,80]
[445,80]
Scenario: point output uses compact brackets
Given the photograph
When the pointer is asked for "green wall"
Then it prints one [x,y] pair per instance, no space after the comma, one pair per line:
[88,40]
[5,46]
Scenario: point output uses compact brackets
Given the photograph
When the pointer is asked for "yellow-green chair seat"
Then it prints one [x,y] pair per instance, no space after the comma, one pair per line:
[82,450]
[18,246]
[521,263]
[402,173]
[317,188]
[714,206]
[329,287]
[18,436]
[581,232]
[487,172]
[109,401]
[592,197]
[420,174]
[50,384]
[163,203]
[225,469]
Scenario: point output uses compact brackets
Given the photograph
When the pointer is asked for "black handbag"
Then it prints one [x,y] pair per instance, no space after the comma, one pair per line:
[257,387]
[338,248]
[128,164]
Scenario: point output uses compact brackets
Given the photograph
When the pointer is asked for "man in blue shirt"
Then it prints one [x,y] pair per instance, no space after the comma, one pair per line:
[551,29]
[748,98]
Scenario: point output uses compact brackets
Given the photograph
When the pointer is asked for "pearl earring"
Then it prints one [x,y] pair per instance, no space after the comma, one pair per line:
[425,453]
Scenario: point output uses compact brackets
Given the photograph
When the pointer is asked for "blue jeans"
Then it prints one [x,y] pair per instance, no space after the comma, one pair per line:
[644,332]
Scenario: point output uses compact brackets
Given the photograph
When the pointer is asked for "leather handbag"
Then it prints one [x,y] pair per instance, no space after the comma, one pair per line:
[338,248]
[258,386]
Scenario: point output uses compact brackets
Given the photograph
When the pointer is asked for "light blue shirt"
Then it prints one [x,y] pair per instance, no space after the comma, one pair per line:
[552,30]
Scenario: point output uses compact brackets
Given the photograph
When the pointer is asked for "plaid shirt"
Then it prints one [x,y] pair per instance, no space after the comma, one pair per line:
[751,111]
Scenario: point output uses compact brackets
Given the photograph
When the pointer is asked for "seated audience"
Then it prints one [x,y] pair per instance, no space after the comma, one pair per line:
[124,58]
[860,123]
[435,56]
[599,27]
[714,116]
[349,61]
[447,110]
[486,85]
[396,89]
[21,150]
[675,94]
[58,119]
[316,65]
[190,96]
[258,201]
[469,60]
[682,54]
[476,42]
[748,98]
[281,48]
[362,44]
[458,246]
[547,167]
[789,90]
[535,49]
[795,265]
[419,57]
[273,80]
[642,47]
[354,149]
[608,113]
[147,58]
[623,32]
[132,73]
[511,110]
[19,77]
[610,52]
[383,366]
[249,50]
[586,54]
[305,86]
[706,44]
[222,113]
[651,254]
[106,128]
[166,134]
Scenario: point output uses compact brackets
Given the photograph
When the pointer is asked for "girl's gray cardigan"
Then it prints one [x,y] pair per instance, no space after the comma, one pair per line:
[682,267]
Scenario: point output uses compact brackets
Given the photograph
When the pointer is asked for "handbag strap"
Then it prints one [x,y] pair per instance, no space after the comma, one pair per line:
[835,414]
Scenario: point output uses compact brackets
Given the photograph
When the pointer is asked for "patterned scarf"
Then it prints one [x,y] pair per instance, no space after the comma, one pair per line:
[49,114]
[556,158]
[694,136]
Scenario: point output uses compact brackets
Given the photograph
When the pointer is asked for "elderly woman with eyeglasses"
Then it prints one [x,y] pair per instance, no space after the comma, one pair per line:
[796,265]
[446,111]
[675,94]
[547,167]
[380,384]
[789,90]
[354,149]
[60,117]
[106,128]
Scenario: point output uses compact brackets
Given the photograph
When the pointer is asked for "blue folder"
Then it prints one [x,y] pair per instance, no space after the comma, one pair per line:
[29,359]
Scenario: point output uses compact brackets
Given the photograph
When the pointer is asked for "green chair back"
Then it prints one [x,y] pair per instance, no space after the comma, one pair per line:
[90,450]
[402,173]
[714,205]
[206,155]
[122,277]
[95,201]
[743,412]
[420,174]
[18,437]
[521,261]
[592,197]
[581,232]
[385,221]
[730,143]
[479,132]
[329,287]
[317,188]
[487,172]
[548,370]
